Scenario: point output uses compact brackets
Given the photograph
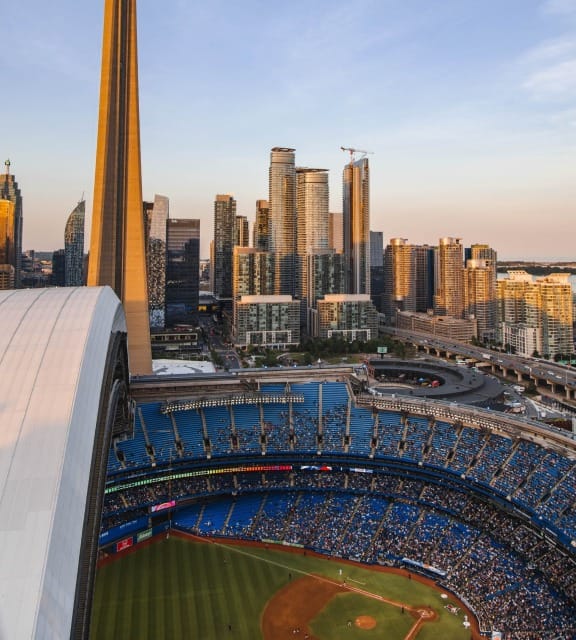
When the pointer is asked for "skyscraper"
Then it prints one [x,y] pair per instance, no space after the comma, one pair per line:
[253,272]
[9,191]
[312,228]
[409,277]
[224,241]
[7,244]
[58,277]
[241,232]
[480,295]
[260,317]
[449,274]
[376,249]
[336,232]
[555,307]
[182,271]
[312,209]
[536,316]
[424,276]
[400,282]
[261,226]
[74,247]
[156,260]
[377,283]
[117,252]
[325,275]
[483,252]
[282,220]
[356,218]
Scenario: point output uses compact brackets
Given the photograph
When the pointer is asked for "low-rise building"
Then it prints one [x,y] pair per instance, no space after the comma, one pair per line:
[445,326]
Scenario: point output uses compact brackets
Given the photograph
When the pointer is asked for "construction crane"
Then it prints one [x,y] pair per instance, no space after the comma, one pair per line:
[353,151]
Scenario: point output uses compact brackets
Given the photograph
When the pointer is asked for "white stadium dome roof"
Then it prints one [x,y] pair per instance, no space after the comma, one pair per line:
[53,354]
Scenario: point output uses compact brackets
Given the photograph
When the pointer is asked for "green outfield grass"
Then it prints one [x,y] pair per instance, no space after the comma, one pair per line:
[177,588]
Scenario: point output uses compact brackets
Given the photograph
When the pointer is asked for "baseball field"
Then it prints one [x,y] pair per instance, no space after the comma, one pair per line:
[182,588]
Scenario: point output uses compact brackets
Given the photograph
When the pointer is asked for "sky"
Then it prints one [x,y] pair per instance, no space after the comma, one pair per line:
[467,107]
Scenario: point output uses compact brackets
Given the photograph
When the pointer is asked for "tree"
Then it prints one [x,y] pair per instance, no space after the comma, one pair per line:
[531,389]
[270,359]
[307,358]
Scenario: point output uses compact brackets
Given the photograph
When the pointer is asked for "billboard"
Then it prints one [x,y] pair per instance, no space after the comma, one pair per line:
[122,530]
[143,535]
[124,544]
[162,506]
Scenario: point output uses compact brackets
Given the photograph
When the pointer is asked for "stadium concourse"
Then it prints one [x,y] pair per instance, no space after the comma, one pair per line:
[479,501]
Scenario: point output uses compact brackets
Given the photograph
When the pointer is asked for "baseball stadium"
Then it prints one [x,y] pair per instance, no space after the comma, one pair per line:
[295,505]
[270,504]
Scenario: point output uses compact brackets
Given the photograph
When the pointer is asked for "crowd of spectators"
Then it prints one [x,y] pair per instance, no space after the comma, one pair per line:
[515,579]
[514,467]
[502,564]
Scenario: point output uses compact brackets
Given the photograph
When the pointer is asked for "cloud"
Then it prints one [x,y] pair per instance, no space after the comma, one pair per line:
[562,7]
[549,68]
[550,50]
[563,119]
[555,81]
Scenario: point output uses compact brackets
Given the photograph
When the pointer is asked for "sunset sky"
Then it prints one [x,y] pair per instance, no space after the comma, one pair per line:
[468,108]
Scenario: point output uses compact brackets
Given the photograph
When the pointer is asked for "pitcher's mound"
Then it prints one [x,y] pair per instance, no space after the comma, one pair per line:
[365,622]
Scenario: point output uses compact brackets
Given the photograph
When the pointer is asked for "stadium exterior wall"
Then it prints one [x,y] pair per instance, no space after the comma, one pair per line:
[54,367]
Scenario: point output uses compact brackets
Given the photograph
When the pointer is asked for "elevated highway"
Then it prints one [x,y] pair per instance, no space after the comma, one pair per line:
[548,377]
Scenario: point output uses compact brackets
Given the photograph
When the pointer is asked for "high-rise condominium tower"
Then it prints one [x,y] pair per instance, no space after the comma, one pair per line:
[480,290]
[312,226]
[282,220]
[336,232]
[58,277]
[424,276]
[157,218]
[261,226]
[9,191]
[555,306]
[253,272]
[377,282]
[536,316]
[312,209]
[224,242]
[117,252]
[241,232]
[356,217]
[449,273]
[74,247]
[400,293]
[483,252]
[326,274]
[6,244]
[182,271]
[409,277]
[376,249]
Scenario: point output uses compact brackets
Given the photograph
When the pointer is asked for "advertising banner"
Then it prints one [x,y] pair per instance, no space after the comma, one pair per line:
[124,544]
[143,535]
[163,506]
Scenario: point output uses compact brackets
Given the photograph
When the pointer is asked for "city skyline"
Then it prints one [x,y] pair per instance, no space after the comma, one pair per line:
[467,108]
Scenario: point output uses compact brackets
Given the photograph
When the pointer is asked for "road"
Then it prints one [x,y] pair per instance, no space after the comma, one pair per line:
[535,368]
